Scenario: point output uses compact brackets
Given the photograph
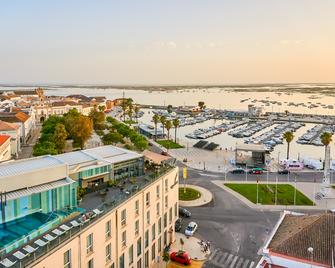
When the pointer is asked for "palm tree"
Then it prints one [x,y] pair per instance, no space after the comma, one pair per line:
[124,106]
[155,119]
[201,105]
[162,119]
[288,136]
[326,139]
[136,110]
[176,124]
[168,126]
[130,112]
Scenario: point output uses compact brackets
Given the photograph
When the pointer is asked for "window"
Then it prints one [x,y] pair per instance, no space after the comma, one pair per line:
[157,191]
[147,199]
[108,253]
[153,251]
[153,232]
[166,185]
[148,217]
[121,261]
[176,209]
[108,229]
[124,239]
[89,243]
[157,209]
[166,202]
[146,259]
[159,225]
[139,246]
[90,264]
[137,207]
[123,217]
[165,220]
[139,263]
[137,227]
[170,215]
[159,244]
[67,259]
[165,238]
[131,254]
[146,239]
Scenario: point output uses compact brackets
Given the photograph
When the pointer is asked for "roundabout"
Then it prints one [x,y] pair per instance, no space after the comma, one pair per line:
[194,196]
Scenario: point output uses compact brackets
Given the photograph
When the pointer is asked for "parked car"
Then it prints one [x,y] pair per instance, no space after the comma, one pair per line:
[183,212]
[191,228]
[256,171]
[237,171]
[180,257]
[177,225]
[284,171]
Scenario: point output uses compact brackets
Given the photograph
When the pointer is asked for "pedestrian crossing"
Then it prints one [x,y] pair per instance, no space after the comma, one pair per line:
[222,259]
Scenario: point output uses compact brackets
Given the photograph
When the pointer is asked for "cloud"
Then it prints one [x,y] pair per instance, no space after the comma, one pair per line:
[171,44]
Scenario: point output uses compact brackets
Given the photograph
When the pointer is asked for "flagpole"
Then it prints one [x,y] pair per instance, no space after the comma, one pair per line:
[257,193]
[276,193]
[295,189]
[314,191]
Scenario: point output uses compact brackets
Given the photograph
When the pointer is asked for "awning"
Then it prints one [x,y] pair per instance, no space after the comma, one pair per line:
[38,189]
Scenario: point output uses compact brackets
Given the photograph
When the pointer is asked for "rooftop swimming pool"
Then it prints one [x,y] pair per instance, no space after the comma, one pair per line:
[15,233]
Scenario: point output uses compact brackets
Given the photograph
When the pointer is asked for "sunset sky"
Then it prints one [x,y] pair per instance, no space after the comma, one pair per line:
[167,42]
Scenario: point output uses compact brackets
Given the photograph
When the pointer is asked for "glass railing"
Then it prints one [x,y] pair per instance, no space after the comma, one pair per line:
[106,207]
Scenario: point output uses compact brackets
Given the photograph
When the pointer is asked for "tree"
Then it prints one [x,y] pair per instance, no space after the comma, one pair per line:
[136,110]
[326,139]
[155,119]
[162,119]
[182,243]
[102,108]
[168,126]
[166,257]
[201,105]
[98,118]
[49,125]
[169,108]
[176,124]
[130,113]
[81,130]
[288,136]
[112,138]
[44,148]
[59,137]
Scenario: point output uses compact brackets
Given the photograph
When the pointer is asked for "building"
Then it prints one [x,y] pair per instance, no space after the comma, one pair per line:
[150,132]
[126,225]
[5,148]
[21,119]
[255,110]
[301,241]
[14,132]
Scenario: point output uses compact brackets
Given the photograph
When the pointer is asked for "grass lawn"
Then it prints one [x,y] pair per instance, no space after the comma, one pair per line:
[190,194]
[168,144]
[266,194]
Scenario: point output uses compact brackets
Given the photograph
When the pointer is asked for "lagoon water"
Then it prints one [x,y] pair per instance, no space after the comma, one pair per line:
[228,98]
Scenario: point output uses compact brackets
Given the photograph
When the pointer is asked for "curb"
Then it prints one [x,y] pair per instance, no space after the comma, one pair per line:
[197,202]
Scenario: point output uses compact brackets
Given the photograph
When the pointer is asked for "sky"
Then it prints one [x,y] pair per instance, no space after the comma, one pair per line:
[175,42]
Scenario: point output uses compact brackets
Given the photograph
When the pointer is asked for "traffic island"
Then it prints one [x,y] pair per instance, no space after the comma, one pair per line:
[194,196]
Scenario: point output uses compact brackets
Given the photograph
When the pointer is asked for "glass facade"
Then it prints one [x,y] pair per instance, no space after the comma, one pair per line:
[129,168]
[48,201]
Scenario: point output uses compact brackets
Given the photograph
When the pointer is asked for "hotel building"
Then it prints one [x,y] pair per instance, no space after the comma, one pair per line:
[127,224]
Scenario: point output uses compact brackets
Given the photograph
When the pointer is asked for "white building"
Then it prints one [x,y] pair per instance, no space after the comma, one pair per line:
[13,131]
[5,151]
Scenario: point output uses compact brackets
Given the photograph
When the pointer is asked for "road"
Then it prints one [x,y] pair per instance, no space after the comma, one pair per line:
[236,231]
[27,149]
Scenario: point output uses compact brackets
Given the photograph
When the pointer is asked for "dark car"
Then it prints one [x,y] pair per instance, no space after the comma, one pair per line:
[284,171]
[238,171]
[183,212]
[177,225]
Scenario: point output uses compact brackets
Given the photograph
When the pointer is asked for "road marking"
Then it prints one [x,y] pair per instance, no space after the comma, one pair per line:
[229,259]
[209,175]
[233,262]
[245,263]
[212,256]
[251,264]
[239,262]
[222,257]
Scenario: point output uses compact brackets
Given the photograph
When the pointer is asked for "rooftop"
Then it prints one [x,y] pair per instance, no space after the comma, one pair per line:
[14,117]
[7,126]
[296,233]
[3,139]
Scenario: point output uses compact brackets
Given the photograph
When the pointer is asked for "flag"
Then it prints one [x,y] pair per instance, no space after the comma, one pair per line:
[185,173]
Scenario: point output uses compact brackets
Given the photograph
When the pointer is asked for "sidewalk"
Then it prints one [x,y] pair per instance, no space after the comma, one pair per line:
[205,198]
[304,187]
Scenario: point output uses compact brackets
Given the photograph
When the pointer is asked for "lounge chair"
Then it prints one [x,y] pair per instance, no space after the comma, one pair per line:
[65,227]
[57,232]
[40,243]
[97,211]
[75,223]
[18,254]
[7,262]
[49,237]
[29,249]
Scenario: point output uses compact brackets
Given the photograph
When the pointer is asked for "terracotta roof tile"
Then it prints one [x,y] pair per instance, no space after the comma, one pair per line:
[7,126]
[297,233]
[3,139]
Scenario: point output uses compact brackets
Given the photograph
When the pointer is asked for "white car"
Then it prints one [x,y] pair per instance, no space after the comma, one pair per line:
[191,228]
